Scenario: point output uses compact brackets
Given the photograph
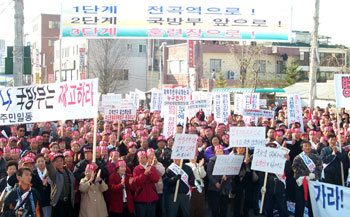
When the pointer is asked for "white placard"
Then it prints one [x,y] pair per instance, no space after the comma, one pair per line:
[49,102]
[228,165]
[176,96]
[156,101]
[238,104]
[221,106]
[185,146]
[271,160]
[247,136]
[295,113]
[111,99]
[122,114]
[342,90]
[329,200]
[258,113]
[181,115]
[251,101]
[197,103]
[170,121]
[134,97]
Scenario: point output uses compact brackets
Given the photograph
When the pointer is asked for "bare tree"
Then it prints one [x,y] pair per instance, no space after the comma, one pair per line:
[108,59]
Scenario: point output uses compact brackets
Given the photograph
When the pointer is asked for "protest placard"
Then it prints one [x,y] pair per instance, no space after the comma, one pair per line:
[200,101]
[294,110]
[221,106]
[170,121]
[342,90]
[176,96]
[258,113]
[247,136]
[329,200]
[181,116]
[49,102]
[185,146]
[251,101]
[111,99]
[120,114]
[270,160]
[135,99]
[238,104]
[156,101]
[228,165]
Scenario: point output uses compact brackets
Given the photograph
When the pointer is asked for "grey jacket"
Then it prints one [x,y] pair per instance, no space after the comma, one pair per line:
[57,182]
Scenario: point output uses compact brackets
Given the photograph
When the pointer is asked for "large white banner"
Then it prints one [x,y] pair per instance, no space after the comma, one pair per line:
[269,160]
[329,200]
[200,100]
[228,164]
[247,136]
[182,19]
[342,90]
[295,113]
[185,146]
[176,96]
[49,102]
[221,106]
[156,101]
[258,113]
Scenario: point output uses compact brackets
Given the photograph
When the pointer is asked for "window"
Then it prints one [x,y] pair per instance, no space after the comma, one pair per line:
[142,48]
[260,66]
[126,74]
[302,57]
[129,46]
[279,67]
[215,66]
[54,24]
[66,52]
[51,43]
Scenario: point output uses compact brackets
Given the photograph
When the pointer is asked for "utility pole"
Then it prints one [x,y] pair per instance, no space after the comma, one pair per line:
[18,57]
[314,57]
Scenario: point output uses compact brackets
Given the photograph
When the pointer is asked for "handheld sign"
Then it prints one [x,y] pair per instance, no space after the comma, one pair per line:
[270,160]
[258,113]
[228,165]
[247,136]
[117,114]
[111,99]
[185,146]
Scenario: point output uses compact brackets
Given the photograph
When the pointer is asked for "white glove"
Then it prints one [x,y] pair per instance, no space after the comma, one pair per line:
[300,180]
[263,190]
[312,176]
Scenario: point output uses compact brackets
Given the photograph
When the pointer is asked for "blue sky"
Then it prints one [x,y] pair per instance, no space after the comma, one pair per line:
[333,17]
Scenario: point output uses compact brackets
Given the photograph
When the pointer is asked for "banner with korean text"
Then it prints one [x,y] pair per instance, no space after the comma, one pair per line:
[342,90]
[156,101]
[329,200]
[49,102]
[270,160]
[176,96]
[295,113]
[258,113]
[120,114]
[185,146]
[183,19]
[170,120]
[221,106]
[247,136]
[228,165]
[200,100]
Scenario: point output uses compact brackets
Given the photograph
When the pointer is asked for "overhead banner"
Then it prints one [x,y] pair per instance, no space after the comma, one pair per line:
[120,114]
[247,136]
[258,113]
[342,90]
[329,200]
[183,19]
[176,96]
[221,106]
[295,113]
[49,102]
[185,146]
[228,165]
[270,160]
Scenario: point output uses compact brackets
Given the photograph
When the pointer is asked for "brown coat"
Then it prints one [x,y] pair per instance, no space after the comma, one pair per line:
[92,202]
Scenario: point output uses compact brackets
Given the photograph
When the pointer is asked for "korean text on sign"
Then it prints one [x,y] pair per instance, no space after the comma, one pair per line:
[116,114]
[269,160]
[185,146]
[49,102]
[228,164]
[342,90]
[176,96]
[294,110]
[329,200]
[247,136]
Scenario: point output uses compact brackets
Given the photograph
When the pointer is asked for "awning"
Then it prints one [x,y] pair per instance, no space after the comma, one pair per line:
[249,90]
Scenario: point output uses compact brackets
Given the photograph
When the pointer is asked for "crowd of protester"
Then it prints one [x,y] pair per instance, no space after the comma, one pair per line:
[48,169]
